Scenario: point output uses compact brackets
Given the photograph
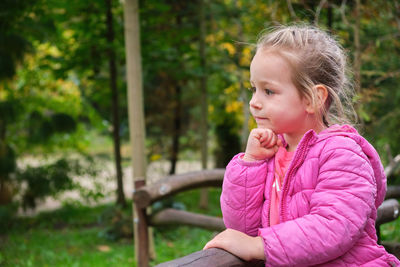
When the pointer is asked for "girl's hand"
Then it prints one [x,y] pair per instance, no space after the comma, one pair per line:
[262,144]
[243,246]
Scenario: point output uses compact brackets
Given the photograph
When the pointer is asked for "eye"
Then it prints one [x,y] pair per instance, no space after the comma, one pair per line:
[252,89]
[268,92]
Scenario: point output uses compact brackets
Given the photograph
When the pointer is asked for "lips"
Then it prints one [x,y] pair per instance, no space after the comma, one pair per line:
[260,119]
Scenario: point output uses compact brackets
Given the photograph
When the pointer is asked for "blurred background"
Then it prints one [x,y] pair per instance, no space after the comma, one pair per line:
[64,132]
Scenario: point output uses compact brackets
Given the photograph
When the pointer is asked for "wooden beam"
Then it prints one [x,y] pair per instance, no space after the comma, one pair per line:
[392,166]
[174,217]
[387,212]
[173,184]
[214,257]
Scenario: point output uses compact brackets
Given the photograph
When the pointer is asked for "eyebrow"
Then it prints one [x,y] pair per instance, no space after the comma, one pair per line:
[263,81]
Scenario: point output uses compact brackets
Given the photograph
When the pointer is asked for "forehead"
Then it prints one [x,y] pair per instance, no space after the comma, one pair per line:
[269,66]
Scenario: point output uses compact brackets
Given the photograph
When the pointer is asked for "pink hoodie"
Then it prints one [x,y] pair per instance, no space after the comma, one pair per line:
[330,195]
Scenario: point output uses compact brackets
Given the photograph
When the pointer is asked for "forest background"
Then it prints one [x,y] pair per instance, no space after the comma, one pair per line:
[63,88]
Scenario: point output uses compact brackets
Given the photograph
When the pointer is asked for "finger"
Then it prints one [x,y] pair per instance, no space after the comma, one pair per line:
[273,140]
[263,136]
[279,142]
[270,142]
[268,136]
[264,144]
[256,133]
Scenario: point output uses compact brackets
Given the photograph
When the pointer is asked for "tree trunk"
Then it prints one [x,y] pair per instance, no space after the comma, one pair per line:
[357,48]
[177,129]
[177,98]
[243,94]
[330,17]
[204,105]
[114,90]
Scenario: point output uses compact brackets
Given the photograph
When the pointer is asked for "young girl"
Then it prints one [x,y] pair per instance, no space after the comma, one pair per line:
[306,191]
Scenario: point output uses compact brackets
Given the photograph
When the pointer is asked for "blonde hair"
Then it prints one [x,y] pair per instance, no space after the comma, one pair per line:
[316,58]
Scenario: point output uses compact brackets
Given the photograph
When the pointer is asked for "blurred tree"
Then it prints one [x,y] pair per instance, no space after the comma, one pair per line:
[85,32]
[66,79]
[13,46]
[171,67]
[115,103]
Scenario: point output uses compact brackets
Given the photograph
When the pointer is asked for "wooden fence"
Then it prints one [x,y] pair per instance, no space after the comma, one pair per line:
[174,184]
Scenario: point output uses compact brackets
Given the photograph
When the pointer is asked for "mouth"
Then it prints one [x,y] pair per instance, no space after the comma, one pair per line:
[260,119]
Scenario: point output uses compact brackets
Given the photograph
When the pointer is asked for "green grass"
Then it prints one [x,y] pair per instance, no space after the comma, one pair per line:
[75,236]
[70,236]
[391,231]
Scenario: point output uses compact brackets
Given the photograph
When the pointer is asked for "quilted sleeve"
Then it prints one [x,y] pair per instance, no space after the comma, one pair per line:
[339,209]
[243,194]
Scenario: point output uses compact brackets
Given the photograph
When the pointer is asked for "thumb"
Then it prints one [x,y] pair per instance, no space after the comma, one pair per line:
[207,246]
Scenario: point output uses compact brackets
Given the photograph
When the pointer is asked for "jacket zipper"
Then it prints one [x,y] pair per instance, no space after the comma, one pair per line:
[296,162]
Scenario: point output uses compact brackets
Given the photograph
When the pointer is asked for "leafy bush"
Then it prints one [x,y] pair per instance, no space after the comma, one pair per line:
[51,179]
[7,213]
[117,222]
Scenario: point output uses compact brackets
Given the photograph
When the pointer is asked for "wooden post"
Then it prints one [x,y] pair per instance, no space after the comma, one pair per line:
[136,123]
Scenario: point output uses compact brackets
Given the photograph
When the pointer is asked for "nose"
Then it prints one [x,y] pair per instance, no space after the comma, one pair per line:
[255,102]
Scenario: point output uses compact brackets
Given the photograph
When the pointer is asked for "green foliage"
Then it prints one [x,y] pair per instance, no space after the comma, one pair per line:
[228,141]
[47,180]
[13,45]
[68,54]
[118,223]
[7,160]
[7,215]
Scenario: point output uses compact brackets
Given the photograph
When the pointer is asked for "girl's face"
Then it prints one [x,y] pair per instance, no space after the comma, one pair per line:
[276,103]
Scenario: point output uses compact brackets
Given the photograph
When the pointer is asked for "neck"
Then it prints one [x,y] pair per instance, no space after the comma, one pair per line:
[293,138]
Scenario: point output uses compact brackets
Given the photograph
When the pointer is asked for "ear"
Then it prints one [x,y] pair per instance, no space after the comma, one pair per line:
[322,95]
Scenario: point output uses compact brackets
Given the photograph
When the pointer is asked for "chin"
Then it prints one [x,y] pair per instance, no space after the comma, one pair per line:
[264,126]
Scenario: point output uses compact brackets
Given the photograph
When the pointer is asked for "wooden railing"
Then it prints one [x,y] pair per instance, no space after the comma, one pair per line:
[146,195]
[213,257]
[177,183]
[170,185]
[388,211]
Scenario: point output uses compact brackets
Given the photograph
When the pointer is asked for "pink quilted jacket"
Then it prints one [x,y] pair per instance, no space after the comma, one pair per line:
[330,195]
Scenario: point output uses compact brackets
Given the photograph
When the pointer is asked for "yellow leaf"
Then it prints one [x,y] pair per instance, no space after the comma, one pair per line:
[234,106]
[229,47]
[210,108]
[155,157]
[246,57]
